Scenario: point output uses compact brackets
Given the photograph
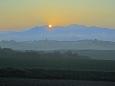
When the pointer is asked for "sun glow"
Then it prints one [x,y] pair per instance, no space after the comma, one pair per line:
[50,26]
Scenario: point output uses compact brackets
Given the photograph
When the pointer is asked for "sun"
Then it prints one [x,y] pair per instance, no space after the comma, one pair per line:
[50,26]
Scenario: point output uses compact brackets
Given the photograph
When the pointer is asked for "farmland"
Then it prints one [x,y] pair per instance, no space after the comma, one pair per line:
[39,82]
[49,68]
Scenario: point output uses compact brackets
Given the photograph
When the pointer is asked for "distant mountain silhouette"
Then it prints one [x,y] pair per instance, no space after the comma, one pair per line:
[69,33]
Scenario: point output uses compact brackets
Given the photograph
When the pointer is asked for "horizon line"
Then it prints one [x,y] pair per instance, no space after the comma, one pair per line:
[56,26]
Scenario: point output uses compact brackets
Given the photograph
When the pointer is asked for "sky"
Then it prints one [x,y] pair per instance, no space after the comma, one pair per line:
[21,14]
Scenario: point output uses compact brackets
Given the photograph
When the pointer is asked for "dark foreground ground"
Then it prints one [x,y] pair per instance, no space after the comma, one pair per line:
[58,74]
[44,82]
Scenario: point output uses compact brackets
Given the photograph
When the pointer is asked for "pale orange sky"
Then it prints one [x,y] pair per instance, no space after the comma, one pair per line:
[21,14]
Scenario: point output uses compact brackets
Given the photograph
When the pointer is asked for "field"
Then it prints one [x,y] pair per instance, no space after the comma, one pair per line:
[98,54]
[53,60]
[39,82]
[57,63]
[47,69]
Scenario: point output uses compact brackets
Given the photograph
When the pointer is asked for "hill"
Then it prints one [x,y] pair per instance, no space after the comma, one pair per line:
[69,33]
[45,45]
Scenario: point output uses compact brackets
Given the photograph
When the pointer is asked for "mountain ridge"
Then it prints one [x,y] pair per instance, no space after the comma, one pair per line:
[72,32]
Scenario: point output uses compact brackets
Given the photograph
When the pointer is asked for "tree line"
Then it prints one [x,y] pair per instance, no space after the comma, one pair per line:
[7,52]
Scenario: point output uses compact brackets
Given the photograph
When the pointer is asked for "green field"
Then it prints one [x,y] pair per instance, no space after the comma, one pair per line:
[58,63]
[39,82]
[54,65]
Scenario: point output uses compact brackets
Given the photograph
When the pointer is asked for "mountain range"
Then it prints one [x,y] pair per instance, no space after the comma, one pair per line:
[72,32]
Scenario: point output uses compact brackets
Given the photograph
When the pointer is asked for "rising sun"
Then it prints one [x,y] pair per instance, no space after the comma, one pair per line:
[50,26]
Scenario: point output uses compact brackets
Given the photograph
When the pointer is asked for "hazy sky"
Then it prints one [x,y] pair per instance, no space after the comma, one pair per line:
[19,14]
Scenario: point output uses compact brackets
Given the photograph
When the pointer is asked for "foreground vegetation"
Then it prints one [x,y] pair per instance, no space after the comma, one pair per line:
[57,74]
[9,53]
[54,65]
[54,60]
[48,82]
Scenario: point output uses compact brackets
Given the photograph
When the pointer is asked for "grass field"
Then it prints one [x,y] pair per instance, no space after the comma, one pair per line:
[31,65]
[57,63]
[52,60]
[38,82]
